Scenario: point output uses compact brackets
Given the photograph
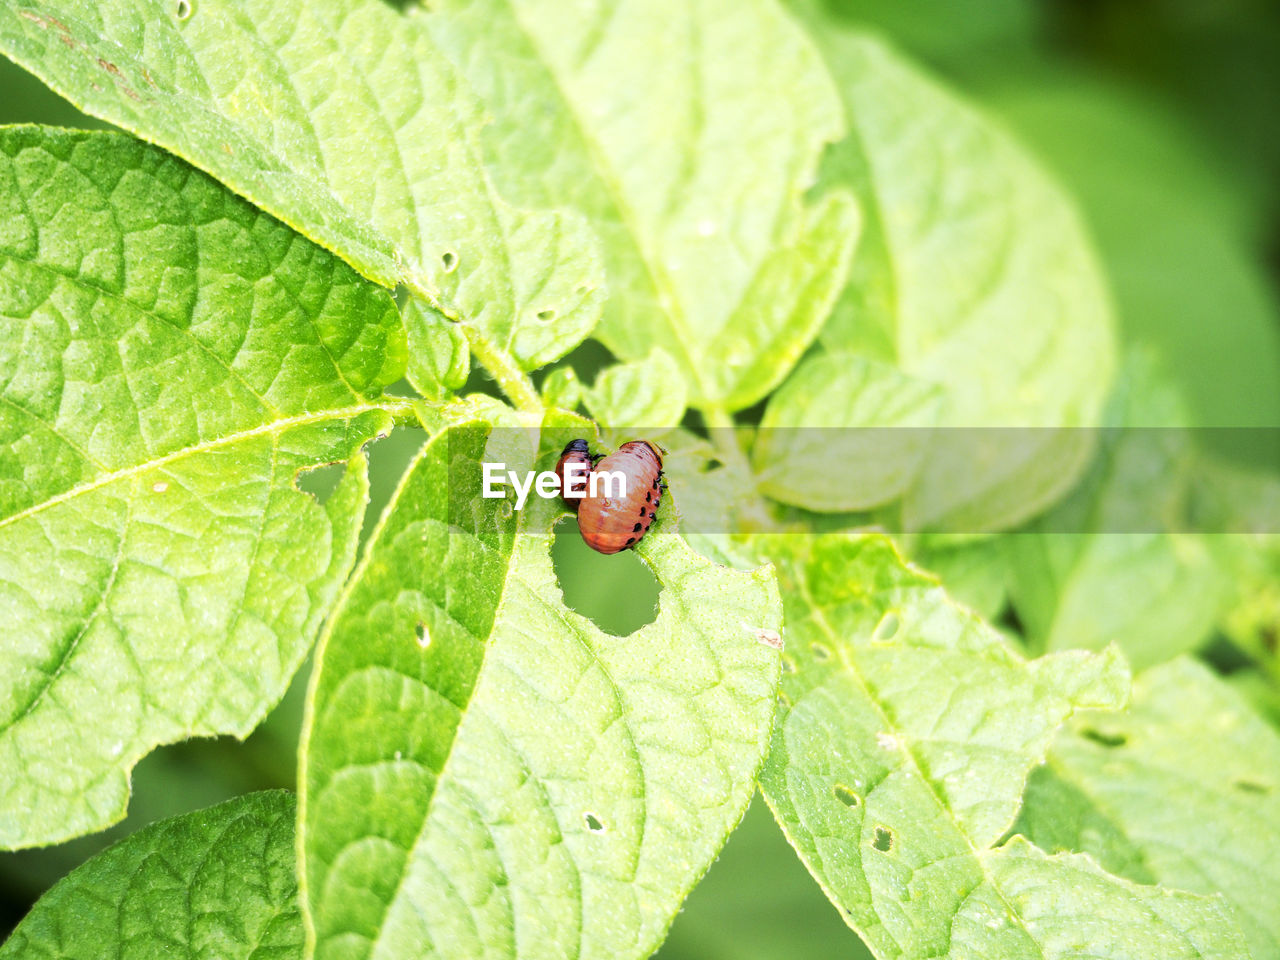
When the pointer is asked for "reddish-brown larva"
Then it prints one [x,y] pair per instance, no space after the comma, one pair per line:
[610,524]
[575,451]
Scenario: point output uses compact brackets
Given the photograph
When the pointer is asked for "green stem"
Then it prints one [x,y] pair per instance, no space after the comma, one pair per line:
[515,383]
[724,435]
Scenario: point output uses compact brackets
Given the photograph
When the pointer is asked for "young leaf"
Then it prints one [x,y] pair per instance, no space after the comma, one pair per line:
[173,361]
[688,132]
[1183,789]
[216,883]
[905,736]
[342,119]
[844,433]
[973,273]
[485,772]
[648,393]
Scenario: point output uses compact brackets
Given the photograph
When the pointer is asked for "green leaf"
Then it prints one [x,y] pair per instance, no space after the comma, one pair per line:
[865,422]
[1120,579]
[688,134]
[1184,790]
[485,772]
[561,388]
[649,393]
[172,360]
[905,737]
[1177,233]
[341,118]
[973,273]
[218,883]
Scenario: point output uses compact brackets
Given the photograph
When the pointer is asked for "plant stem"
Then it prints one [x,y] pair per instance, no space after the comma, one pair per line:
[515,383]
[724,436]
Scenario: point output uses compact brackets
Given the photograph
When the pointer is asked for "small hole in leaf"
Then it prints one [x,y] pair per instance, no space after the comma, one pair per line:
[1251,786]
[320,481]
[546,315]
[887,628]
[184,9]
[423,635]
[884,839]
[845,795]
[788,665]
[619,594]
[820,652]
[593,823]
[1108,740]
[449,260]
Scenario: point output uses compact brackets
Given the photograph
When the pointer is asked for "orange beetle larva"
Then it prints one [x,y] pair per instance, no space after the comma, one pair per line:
[610,524]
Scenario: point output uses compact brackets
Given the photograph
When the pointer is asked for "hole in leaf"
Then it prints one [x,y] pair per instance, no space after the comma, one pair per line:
[820,652]
[320,481]
[449,260]
[593,823]
[1251,786]
[1108,740]
[184,9]
[845,795]
[884,839]
[423,635]
[788,665]
[546,315]
[887,628]
[619,594]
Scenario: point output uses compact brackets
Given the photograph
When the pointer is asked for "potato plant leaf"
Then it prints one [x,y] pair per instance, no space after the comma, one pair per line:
[688,133]
[866,422]
[1181,790]
[973,272]
[342,119]
[217,884]
[173,359]
[488,774]
[905,737]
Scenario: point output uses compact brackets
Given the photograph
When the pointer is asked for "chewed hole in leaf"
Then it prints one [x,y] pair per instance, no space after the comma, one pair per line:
[1108,740]
[846,795]
[546,316]
[1251,786]
[320,481]
[423,635]
[788,665]
[884,839]
[183,10]
[593,823]
[619,594]
[887,628]
[820,651]
[449,260]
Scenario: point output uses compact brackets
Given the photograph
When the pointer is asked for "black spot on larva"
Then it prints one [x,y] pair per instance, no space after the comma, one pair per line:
[630,541]
[1108,740]
[642,511]
[884,839]
[846,795]
[637,528]
[648,497]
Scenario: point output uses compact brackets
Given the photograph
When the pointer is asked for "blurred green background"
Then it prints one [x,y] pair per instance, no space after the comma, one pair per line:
[1159,115]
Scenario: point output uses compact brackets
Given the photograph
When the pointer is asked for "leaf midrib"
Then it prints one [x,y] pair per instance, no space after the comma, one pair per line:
[271,428]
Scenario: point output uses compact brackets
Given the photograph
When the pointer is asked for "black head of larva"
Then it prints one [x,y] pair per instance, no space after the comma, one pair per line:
[576,452]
